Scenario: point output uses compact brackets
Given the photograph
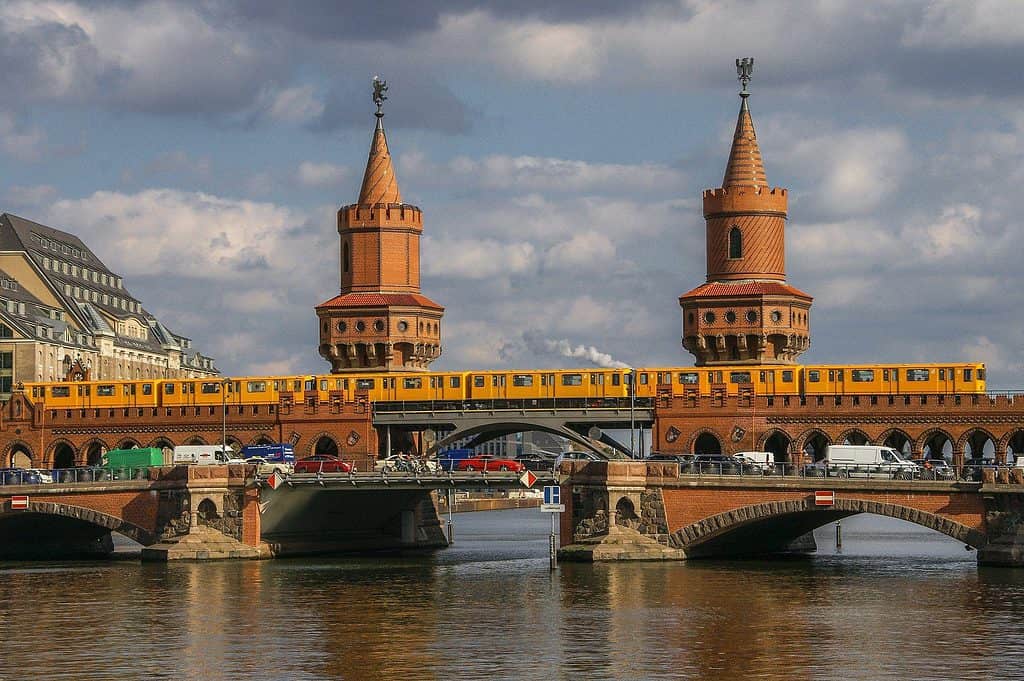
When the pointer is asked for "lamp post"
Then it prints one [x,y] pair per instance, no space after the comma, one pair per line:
[225,382]
[632,407]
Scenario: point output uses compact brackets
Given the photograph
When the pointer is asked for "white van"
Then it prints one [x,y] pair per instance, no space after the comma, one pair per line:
[202,455]
[868,461]
[763,460]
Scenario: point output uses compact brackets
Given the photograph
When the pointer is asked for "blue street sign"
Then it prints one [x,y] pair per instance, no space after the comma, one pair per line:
[552,494]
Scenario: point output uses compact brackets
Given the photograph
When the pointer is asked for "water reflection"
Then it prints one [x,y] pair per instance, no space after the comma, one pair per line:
[898,602]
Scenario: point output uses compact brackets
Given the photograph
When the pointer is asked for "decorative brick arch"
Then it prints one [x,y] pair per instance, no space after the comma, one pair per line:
[51,452]
[922,440]
[17,444]
[709,528]
[892,431]
[1004,441]
[961,443]
[850,431]
[762,439]
[88,515]
[800,441]
[262,438]
[724,442]
[311,446]
[88,444]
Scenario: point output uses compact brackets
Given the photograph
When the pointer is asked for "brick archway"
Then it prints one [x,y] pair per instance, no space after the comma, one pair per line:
[960,445]
[12,447]
[800,442]
[87,515]
[696,435]
[713,527]
[853,434]
[884,438]
[91,448]
[927,435]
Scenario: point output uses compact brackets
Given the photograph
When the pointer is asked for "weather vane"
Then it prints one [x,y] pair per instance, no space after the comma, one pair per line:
[744,67]
[379,88]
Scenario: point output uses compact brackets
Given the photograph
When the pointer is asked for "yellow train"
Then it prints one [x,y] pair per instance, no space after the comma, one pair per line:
[537,387]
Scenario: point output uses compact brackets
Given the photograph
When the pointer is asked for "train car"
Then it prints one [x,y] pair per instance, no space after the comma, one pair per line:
[894,379]
[95,394]
[194,392]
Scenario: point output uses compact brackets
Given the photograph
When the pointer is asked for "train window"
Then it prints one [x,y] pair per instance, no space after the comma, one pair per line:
[105,391]
[344,384]
[572,379]
[762,376]
[364,384]
[616,379]
[147,388]
[831,375]
[643,378]
[168,388]
[862,375]
[478,381]
[596,379]
[522,380]
[787,375]
[416,382]
[813,375]
[716,377]
[309,385]
[454,381]
[739,377]
[210,388]
[689,378]
[498,380]
[323,384]
[942,374]
[297,385]
[885,374]
[256,386]
[967,374]
[60,391]
[433,381]
[129,389]
[981,374]
[918,374]
[189,388]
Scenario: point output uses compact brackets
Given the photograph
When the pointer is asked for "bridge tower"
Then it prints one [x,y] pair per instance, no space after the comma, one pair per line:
[380,321]
[745,313]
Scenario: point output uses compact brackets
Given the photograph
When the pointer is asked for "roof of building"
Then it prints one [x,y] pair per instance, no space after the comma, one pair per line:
[379,182]
[380,300]
[718,289]
[745,167]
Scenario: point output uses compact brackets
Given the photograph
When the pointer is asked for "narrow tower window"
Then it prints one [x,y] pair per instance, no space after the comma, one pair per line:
[344,258]
[735,243]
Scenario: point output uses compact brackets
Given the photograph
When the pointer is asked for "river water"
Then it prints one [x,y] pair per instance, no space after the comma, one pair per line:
[898,602]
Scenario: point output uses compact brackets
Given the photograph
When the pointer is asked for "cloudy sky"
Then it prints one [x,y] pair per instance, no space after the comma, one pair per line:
[558,153]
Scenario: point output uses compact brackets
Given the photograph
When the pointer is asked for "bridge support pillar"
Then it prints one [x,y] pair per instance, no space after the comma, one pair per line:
[1004,521]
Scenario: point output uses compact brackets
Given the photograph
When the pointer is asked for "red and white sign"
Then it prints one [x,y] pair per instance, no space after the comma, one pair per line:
[528,478]
[19,503]
[824,498]
[274,480]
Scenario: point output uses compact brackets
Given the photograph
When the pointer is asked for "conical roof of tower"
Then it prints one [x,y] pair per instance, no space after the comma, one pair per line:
[745,168]
[379,182]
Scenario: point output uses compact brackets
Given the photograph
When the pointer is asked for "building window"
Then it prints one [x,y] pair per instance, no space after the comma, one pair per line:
[751,316]
[360,325]
[730,316]
[709,317]
[403,325]
[342,327]
[345,258]
[735,243]
[378,325]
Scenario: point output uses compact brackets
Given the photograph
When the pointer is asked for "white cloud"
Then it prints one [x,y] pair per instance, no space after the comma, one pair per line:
[476,259]
[952,23]
[293,105]
[19,142]
[586,250]
[311,174]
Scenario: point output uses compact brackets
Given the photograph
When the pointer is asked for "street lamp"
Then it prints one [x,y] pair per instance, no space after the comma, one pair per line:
[225,382]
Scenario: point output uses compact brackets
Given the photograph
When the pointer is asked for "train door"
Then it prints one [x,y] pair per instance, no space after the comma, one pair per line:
[767,382]
[547,386]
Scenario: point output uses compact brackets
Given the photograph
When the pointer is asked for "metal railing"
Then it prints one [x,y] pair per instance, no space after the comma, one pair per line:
[969,473]
[37,476]
[518,404]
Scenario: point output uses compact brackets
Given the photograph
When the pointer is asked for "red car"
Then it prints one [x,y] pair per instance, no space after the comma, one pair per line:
[322,463]
[488,463]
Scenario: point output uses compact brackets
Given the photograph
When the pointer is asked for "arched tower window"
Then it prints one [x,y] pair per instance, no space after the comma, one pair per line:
[345,258]
[735,243]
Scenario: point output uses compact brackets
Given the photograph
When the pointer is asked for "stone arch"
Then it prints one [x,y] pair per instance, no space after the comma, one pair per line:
[93,451]
[262,439]
[128,443]
[702,532]
[196,440]
[1012,445]
[812,443]
[898,440]
[63,454]
[507,427]
[625,513]
[976,438]
[931,439]
[207,512]
[853,436]
[109,522]
[18,455]
[777,442]
[324,443]
[707,438]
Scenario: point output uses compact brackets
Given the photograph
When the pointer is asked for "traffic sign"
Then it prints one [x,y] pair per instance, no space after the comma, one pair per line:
[19,503]
[552,494]
[552,508]
[824,498]
[274,480]
[528,478]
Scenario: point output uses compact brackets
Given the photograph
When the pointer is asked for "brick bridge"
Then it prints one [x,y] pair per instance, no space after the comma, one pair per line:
[635,510]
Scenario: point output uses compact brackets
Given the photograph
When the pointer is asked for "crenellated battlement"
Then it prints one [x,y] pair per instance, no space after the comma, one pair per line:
[744,200]
[380,215]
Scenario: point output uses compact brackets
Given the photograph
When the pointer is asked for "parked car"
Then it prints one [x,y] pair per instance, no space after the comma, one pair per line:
[408,464]
[485,462]
[537,462]
[972,468]
[18,476]
[935,469]
[719,464]
[573,455]
[322,463]
[45,477]
[265,467]
[681,459]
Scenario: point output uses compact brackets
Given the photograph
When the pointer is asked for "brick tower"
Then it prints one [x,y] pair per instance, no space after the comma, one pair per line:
[380,321]
[746,313]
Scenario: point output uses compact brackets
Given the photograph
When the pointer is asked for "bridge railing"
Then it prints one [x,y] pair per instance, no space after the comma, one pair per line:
[504,404]
[991,473]
[36,476]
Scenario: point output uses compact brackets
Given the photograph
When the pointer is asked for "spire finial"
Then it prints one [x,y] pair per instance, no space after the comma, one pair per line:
[744,67]
[379,88]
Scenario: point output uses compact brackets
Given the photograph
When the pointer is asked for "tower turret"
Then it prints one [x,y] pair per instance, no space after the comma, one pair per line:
[746,312]
[380,321]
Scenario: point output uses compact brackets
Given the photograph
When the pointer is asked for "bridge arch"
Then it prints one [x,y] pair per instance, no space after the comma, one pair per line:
[898,440]
[93,451]
[813,443]
[324,443]
[262,439]
[196,440]
[759,527]
[18,455]
[84,515]
[705,441]
[63,454]
[935,439]
[976,439]
[128,443]
[777,442]
[853,436]
[506,427]
[1012,444]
